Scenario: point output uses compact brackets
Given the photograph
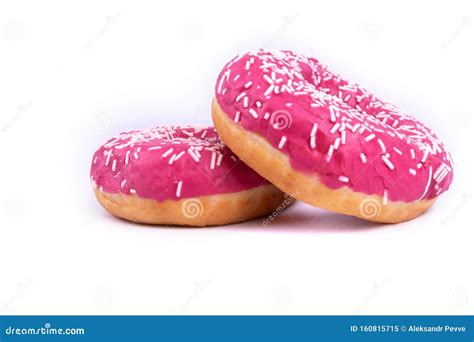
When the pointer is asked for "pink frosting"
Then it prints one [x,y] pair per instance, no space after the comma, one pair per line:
[170,163]
[333,128]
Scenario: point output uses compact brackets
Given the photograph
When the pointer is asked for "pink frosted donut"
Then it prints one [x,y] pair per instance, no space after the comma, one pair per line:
[179,175]
[327,141]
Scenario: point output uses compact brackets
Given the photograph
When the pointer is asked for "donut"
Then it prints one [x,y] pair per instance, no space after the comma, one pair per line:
[327,141]
[178,175]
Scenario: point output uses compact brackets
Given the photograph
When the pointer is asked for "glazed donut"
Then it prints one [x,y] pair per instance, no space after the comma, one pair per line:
[327,141]
[179,175]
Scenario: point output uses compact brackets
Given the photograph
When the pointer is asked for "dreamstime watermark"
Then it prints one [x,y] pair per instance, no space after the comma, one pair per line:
[47,329]
[20,112]
[460,297]
[199,288]
[13,208]
[14,31]
[374,290]
[102,121]
[288,200]
[109,22]
[288,20]
[192,31]
[103,296]
[281,119]
[460,119]
[370,30]
[113,199]
[192,208]
[19,291]
[465,21]
[282,296]
[465,199]
[370,208]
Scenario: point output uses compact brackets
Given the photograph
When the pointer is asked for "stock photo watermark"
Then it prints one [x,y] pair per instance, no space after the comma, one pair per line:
[287,201]
[108,24]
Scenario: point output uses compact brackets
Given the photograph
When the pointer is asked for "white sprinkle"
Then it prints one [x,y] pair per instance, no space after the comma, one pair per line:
[253,113]
[382,145]
[430,172]
[398,151]
[167,153]
[171,161]
[107,160]
[236,77]
[312,142]
[178,189]
[193,155]
[268,79]
[343,137]
[369,137]
[154,148]
[344,179]
[314,130]
[337,142]
[213,160]
[282,142]
[266,116]
[419,165]
[438,171]
[127,157]
[355,127]
[259,104]
[335,128]
[122,184]
[412,153]
[388,162]
[385,197]
[248,84]
[442,176]
[95,160]
[233,158]
[246,102]
[347,98]
[332,111]
[425,155]
[135,155]
[114,164]
[247,65]
[237,117]
[179,155]
[269,90]
[133,191]
[219,159]
[220,84]
[412,171]
[238,98]
[363,158]
[330,151]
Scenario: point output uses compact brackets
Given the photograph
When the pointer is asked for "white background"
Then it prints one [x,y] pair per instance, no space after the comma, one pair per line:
[73,74]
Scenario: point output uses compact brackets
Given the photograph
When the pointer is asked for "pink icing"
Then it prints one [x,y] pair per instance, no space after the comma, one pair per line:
[170,163]
[333,128]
